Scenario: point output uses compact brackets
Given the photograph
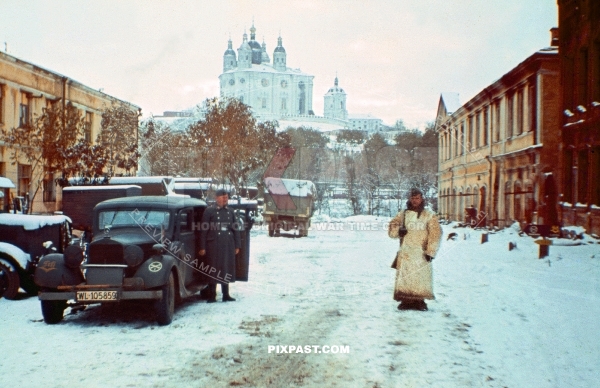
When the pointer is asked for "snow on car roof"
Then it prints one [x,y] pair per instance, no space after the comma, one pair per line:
[6,183]
[138,179]
[31,222]
[295,187]
[102,187]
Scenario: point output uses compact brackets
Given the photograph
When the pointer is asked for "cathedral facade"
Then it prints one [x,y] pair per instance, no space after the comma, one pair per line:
[271,89]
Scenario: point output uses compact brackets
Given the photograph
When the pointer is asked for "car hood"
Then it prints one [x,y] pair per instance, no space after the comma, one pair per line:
[131,237]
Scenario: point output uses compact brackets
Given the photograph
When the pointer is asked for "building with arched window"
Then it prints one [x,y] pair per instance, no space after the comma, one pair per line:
[497,149]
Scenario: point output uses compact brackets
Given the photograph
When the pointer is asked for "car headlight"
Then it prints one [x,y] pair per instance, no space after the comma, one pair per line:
[133,255]
[73,256]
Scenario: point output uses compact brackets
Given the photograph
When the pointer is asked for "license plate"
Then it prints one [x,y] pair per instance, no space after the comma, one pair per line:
[96,296]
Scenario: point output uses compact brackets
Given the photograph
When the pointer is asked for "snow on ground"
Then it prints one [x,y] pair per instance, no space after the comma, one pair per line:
[501,318]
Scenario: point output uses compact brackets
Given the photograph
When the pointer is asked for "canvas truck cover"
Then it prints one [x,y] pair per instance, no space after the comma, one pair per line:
[289,196]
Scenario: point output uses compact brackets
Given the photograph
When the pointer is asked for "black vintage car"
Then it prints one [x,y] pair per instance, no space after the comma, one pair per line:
[142,248]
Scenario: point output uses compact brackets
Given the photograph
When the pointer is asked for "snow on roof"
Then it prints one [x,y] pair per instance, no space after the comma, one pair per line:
[295,187]
[138,179]
[15,252]
[99,187]
[31,222]
[6,183]
[451,102]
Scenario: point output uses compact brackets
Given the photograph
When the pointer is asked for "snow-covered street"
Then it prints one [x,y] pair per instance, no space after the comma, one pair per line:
[501,319]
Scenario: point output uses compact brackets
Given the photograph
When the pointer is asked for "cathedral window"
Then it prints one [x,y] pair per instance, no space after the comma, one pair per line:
[283,103]
[264,103]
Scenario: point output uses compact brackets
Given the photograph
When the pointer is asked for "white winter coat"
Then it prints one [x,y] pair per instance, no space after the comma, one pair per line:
[414,277]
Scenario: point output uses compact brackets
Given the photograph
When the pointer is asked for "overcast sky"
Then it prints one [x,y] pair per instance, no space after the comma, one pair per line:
[392,57]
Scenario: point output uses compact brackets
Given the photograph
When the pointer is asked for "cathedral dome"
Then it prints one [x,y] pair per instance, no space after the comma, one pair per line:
[279,49]
[255,45]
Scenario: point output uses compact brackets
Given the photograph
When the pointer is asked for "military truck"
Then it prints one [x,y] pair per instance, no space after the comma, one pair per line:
[24,239]
[143,248]
[288,205]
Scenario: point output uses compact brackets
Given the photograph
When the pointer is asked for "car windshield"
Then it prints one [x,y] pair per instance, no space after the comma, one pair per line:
[130,218]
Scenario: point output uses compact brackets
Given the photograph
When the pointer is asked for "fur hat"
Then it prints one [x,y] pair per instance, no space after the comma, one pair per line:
[414,191]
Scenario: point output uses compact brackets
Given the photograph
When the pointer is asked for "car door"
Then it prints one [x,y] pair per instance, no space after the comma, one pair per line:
[186,250]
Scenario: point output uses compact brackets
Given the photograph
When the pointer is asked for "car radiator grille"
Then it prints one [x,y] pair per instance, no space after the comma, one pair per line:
[106,254]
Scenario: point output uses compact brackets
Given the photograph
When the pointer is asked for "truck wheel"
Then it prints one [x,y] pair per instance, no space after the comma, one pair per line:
[303,229]
[13,280]
[165,306]
[3,279]
[271,229]
[53,310]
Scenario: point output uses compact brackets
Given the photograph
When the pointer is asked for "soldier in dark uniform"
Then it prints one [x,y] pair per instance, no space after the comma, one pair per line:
[219,243]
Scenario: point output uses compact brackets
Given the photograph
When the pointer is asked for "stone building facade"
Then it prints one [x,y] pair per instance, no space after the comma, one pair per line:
[25,90]
[497,150]
[579,40]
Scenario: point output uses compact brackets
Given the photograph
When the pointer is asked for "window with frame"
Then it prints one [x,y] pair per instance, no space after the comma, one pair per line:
[497,120]
[264,103]
[582,176]
[49,188]
[510,116]
[583,78]
[24,114]
[284,103]
[532,107]
[462,138]
[87,127]
[470,134]
[520,116]
[486,120]
[23,178]
[507,200]
[477,128]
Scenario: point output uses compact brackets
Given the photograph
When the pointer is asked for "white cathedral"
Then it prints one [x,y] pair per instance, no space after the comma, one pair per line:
[272,90]
[277,92]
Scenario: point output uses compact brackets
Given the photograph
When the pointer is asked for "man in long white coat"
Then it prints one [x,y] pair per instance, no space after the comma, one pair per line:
[420,235]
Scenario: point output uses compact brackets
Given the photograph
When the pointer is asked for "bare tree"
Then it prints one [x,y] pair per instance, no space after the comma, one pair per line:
[232,143]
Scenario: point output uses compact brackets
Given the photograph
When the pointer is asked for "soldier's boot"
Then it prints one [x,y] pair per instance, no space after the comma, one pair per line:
[225,291]
[211,293]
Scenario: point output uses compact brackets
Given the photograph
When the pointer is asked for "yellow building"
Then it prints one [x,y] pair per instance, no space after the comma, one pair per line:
[25,89]
[498,150]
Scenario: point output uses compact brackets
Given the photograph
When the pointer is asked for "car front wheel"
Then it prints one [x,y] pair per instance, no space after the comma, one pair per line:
[12,279]
[165,306]
[53,310]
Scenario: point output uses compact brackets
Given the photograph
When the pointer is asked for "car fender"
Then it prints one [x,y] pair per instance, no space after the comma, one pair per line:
[155,271]
[14,255]
[52,272]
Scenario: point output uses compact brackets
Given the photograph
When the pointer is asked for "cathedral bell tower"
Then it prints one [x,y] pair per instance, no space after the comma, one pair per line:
[335,103]
[279,57]
[229,60]
[245,54]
